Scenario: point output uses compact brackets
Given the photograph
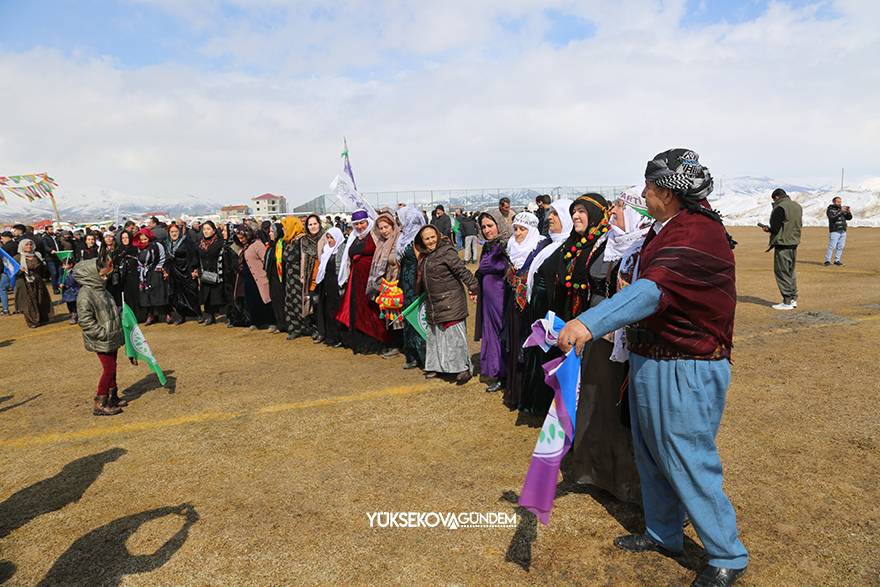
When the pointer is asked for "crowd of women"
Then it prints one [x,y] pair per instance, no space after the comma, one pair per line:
[303,279]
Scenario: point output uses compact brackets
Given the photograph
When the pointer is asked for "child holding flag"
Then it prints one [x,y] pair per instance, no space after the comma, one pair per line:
[69,288]
[102,329]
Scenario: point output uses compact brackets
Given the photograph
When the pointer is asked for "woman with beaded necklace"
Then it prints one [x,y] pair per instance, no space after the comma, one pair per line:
[589,214]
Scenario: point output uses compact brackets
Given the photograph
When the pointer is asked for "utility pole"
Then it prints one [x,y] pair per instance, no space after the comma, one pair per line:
[841,179]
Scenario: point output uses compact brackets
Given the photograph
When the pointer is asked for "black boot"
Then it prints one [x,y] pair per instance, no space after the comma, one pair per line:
[114,400]
[642,543]
[717,577]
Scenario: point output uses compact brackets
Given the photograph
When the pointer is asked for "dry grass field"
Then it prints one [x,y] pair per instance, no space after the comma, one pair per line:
[258,463]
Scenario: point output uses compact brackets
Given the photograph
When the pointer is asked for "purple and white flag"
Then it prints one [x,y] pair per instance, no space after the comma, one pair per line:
[345,189]
[563,375]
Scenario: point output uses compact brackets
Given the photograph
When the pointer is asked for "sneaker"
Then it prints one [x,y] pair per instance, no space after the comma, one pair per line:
[390,353]
[783,306]
[838,263]
[794,303]
[827,263]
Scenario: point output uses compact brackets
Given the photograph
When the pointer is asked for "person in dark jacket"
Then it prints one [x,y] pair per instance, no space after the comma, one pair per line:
[153,276]
[543,201]
[442,222]
[31,295]
[470,236]
[182,266]
[442,275]
[837,215]
[89,249]
[411,221]
[48,245]
[212,290]
[326,296]
[786,221]
[101,326]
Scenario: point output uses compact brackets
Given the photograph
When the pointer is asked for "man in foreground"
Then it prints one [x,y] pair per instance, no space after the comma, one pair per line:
[837,215]
[681,307]
[786,222]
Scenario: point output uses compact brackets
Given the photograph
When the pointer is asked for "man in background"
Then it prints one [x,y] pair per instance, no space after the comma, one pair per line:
[469,232]
[442,222]
[506,215]
[543,202]
[48,245]
[837,215]
[786,222]
[158,229]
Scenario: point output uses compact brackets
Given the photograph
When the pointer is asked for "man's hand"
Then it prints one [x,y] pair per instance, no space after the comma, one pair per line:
[473,297]
[574,334]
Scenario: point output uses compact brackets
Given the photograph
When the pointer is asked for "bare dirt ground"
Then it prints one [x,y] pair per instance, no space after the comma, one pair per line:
[258,463]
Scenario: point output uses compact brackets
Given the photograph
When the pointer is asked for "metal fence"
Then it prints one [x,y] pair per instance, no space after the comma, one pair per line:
[464,198]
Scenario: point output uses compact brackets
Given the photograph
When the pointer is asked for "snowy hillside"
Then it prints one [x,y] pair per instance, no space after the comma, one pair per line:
[744,201]
[96,204]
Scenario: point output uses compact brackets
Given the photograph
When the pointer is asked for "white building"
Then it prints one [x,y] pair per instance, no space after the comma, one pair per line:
[269,204]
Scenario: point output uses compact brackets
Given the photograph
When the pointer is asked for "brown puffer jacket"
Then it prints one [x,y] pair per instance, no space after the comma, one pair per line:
[441,275]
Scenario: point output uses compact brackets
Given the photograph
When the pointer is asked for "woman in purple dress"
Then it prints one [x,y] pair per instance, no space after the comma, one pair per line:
[490,306]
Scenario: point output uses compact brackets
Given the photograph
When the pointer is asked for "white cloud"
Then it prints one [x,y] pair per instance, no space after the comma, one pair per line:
[461,103]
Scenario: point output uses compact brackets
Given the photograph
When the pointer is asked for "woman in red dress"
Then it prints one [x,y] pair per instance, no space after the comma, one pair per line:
[362,330]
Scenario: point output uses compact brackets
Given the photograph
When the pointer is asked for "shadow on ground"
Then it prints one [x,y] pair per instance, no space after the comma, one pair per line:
[628,515]
[150,382]
[101,558]
[54,493]
[15,405]
[6,343]
[754,300]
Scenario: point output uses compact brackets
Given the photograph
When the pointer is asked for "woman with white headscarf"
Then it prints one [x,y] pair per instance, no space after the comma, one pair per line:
[326,294]
[602,452]
[541,291]
[31,294]
[411,221]
[522,248]
[362,329]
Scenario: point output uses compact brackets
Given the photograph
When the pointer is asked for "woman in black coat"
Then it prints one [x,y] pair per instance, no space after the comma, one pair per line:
[212,273]
[182,265]
[152,276]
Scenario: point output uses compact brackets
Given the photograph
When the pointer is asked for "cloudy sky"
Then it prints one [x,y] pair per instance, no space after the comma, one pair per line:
[226,99]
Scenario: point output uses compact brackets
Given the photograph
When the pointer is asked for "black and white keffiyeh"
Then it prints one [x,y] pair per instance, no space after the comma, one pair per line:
[680,171]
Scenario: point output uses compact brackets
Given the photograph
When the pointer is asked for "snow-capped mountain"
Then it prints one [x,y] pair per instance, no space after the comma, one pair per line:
[744,201]
[99,203]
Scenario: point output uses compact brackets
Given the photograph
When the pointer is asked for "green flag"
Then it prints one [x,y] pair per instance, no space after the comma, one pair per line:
[415,315]
[64,256]
[136,345]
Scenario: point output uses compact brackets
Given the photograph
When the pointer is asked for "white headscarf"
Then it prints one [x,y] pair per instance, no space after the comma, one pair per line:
[561,207]
[345,264]
[621,240]
[519,252]
[328,252]
[411,222]
[23,257]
